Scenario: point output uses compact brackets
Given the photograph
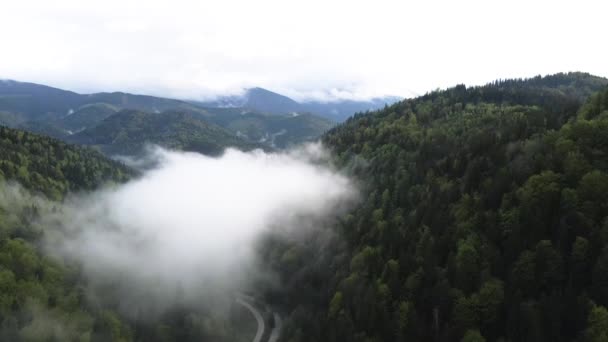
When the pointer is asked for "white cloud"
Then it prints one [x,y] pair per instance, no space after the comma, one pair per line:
[355,49]
[192,222]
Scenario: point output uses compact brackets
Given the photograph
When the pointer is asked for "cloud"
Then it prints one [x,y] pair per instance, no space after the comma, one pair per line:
[188,227]
[318,49]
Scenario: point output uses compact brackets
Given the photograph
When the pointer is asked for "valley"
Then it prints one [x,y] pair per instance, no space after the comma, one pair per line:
[259,119]
[303,171]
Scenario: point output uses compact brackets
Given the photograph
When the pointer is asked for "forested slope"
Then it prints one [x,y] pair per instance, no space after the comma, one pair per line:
[128,131]
[48,166]
[46,298]
[484,216]
[59,113]
[40,298]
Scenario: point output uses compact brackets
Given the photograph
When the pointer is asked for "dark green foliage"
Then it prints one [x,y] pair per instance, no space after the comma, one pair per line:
[272,130]
[60,113]
[128,131]
[86,116]
[484,216]
[41,299]
[45,165]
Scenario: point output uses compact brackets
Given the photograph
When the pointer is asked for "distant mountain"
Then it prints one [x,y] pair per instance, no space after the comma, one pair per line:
[274,130]
[265,101]
[60,113]
[86,116]
[30,101]
[342,110]
[128,131]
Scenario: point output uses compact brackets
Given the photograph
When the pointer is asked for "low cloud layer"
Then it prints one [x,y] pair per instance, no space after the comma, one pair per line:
[189,225]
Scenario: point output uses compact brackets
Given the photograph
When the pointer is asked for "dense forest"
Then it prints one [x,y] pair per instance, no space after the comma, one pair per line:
[41,299]
[128,132]
[53,168]
[483,217]
[46,298]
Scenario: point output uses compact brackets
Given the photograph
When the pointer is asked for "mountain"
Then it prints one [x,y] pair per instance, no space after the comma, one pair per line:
[39,102]
[341,110]
[265,101]
[86,116]
[483,216]
[32,101]
[60,113]
[274,130]
[268,102]
[53,168]
[128,131]
[280,131]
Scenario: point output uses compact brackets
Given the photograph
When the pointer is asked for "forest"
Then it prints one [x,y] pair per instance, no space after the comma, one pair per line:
[47,298]
[483,218]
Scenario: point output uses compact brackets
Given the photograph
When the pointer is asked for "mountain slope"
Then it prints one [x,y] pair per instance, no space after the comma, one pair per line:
[34,101]
[483,213]
[60,113]
[273,130]
[87,115]
[341,110]
[128,131]
[38,102]
[268,102]
[42,298]
[48,166]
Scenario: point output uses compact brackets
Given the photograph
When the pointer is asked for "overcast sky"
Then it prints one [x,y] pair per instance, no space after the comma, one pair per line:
[304,49]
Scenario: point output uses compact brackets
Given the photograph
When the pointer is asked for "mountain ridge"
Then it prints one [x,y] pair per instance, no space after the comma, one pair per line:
[267,101]
[129,131]
[58,113]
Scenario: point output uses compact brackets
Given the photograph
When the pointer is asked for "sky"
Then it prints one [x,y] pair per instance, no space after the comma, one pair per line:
[313,49]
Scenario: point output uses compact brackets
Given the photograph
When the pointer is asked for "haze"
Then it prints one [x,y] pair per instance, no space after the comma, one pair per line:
[306,50]
[190,224]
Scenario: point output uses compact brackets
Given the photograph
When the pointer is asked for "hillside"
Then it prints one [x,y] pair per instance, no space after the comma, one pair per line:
[128,131]
[30,101]
[278,131]
[41,298]
[483,217]
[86,116]
[44,297]
[53,168]
[60,113]
[268,102]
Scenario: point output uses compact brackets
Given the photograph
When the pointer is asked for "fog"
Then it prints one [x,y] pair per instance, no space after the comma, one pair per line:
[187,228]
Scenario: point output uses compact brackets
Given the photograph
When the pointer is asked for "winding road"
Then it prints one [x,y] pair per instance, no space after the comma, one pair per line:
[247,302]
[258,317]
[274,335]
